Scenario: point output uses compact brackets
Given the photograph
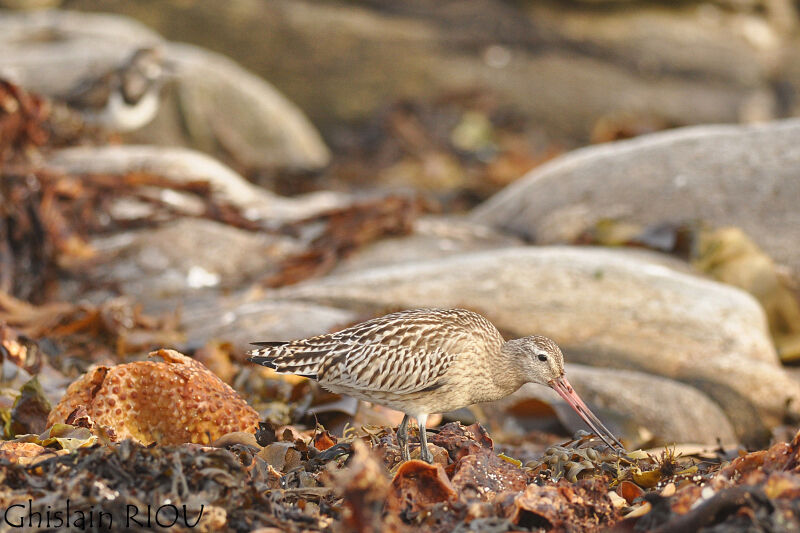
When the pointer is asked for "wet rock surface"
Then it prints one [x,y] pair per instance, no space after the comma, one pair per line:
[167,262]
[433,237]
[241,322]
[645,409]
[740,176]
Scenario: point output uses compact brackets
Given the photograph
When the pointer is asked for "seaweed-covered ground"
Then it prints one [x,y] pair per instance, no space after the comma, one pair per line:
[205,442]
[312,481]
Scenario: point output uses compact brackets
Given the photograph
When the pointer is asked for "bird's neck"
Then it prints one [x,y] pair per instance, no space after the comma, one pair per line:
[499,378]
[507,373]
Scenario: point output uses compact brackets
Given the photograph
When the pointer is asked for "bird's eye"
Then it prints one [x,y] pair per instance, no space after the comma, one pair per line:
[542,357]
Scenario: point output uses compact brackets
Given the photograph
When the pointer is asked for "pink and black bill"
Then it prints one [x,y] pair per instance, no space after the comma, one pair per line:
[565,390]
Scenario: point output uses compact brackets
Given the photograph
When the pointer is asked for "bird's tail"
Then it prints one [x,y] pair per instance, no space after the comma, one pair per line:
[280,357]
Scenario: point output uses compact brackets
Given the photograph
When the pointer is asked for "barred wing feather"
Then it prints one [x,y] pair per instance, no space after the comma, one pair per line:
[403,352]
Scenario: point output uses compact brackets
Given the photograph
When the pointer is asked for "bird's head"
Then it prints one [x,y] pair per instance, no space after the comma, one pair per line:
[539,358]
[148,62]
[144,72]
[542,362]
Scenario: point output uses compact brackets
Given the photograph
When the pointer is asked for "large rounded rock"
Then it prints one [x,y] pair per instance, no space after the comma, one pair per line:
[722,175]
[50,52]
[432,237]
[241,321]
[220,108]
[642,408]
[604,307]
[182,257]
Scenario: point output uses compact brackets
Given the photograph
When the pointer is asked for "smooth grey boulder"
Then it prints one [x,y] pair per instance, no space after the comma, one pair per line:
[579,294]
[51,51]
[743,176]
[242,320]
[431,237]
[604,307]
[222,109]
[642,408]
[181,257]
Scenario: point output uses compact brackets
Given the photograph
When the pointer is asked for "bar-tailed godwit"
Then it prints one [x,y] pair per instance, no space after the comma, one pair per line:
[424,361]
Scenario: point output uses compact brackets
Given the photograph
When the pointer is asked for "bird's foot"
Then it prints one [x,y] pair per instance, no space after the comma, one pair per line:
[425,454]
[405,454]
[402,439]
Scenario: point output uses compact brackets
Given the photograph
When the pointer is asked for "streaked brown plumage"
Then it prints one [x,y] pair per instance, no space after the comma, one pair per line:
[424,361]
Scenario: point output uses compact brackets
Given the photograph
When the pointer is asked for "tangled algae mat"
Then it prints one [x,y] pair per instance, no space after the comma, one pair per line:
[312,481]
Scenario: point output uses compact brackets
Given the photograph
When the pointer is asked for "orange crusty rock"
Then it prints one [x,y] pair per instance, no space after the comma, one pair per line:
[171,402]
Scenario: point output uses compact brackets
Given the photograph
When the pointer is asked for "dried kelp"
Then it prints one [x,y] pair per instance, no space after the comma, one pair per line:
[47,219]
[757,491]
[291,483]
[730,256]
[19,349]
[30,410]
[339,232]
[138,487]
[31,123]
[23,117]
[111,330]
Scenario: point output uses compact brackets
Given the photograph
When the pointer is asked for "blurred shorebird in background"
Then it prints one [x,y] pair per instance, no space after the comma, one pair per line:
[126,98]
[426,361]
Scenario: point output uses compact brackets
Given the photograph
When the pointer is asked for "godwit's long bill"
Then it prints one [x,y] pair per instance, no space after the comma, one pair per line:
[424,361]
[565,390]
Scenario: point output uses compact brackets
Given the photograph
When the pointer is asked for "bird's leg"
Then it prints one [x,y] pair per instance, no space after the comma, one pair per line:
[402,439]
[424,453]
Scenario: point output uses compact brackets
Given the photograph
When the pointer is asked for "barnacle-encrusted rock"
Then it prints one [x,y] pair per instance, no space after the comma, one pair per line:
[171,402]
